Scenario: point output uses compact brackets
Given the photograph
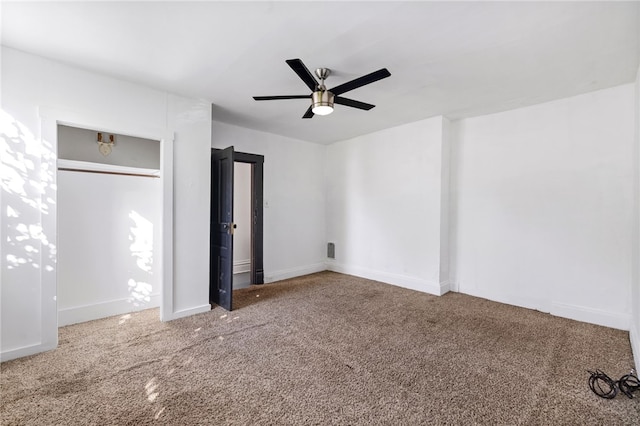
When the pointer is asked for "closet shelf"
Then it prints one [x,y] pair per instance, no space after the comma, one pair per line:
[86,166]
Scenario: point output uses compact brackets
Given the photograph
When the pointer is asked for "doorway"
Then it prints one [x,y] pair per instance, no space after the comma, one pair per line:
[223,226]
[243,218]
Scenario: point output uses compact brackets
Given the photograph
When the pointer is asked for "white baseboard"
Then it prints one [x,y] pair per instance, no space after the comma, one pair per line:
[634,336]
[592,316]
[575,312]
[242,266]
[284,274]
[188,312]
[26,351]
[411,283]
[104,309]
[507,299]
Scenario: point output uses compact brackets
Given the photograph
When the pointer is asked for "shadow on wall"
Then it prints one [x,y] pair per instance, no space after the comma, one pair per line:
[26,180]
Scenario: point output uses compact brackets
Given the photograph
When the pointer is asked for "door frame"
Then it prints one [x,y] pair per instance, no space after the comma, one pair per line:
[257,198]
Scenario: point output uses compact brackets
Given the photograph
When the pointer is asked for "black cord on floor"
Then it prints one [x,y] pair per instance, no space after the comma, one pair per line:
[629,384]
[605,387]
[602,385]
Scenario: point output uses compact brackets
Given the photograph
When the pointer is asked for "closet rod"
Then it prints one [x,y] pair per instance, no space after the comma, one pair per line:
[66,169]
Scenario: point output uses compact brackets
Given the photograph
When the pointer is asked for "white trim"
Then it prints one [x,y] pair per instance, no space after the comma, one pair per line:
[97,123]
[541,305]
[26,351]
[166,230]
[591,315]
[242,266]
[101,167]
[405,281]
[103,310]
[189,312]
[49,224]
[634,337]
[285,274]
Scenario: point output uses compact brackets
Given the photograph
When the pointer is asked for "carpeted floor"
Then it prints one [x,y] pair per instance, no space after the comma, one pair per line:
[324,349]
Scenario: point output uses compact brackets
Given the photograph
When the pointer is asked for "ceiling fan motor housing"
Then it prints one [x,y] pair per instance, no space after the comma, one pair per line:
[322,102]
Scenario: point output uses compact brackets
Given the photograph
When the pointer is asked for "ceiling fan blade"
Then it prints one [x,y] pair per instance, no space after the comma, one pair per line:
[309,113]
[352,103]
[273,98]
[303,72]
[359,82]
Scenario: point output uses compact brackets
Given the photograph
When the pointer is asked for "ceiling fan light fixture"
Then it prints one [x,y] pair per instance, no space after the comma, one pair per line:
[322,102]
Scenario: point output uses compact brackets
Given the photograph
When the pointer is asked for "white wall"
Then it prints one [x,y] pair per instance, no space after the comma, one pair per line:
[384,205]
[242,218]
[635,284]
[190,120]
[294,206]
[108,245]
[542,206]
[33,86]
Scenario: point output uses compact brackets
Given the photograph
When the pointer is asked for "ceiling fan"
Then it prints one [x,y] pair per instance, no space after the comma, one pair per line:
[322,100]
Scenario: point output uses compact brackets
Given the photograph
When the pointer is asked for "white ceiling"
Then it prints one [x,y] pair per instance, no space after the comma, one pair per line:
[456,59]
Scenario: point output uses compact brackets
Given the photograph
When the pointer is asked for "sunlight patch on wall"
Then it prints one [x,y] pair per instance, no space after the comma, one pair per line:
[140,292]
[28,192]
[141,237]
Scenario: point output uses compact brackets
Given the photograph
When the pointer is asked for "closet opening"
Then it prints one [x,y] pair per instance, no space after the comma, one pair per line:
[109,212]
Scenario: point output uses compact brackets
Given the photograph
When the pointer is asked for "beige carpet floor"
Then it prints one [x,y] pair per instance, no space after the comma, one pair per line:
[324,349]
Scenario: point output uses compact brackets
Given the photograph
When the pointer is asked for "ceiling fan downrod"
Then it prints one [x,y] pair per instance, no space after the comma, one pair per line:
[322,99]
[323,74]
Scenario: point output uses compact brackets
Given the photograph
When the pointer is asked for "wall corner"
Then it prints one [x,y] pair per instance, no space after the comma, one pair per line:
[445,171]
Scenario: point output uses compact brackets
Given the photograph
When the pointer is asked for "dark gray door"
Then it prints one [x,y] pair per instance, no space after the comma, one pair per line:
[222,227]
